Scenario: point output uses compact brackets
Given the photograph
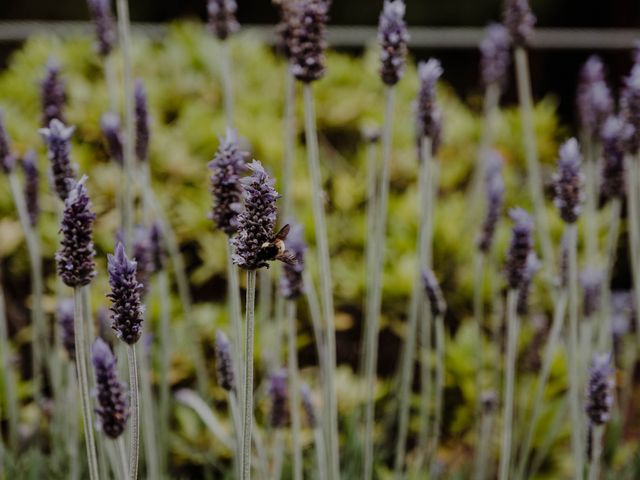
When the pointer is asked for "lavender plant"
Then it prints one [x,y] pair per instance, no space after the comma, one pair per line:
[110,125]
[63,171]
[598,407]
[53,95]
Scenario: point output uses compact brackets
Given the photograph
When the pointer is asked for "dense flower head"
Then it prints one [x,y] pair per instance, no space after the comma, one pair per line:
[228,164]
[158,253]
[494,192]
[110,125]
[104,25]
[495,50]
[75,258]
[291,281]
[308,25]
[519,248]
[612,137]
[393,37]
[434,293]
[52,94]
[224,362]
[428,113]
[524,291]
[519,20]
[65,312]
[257,219]
[308,406]
[7,159]
[126,307]
[58,139]
[222,18]
[142,122]
[569,181]
[111,393]
[278,416]
[600,389]
[31,185]
[591,280]
[284,29]
[594,99]
[630,108]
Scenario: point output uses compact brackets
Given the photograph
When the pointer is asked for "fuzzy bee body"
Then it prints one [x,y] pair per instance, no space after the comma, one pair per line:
[275,249]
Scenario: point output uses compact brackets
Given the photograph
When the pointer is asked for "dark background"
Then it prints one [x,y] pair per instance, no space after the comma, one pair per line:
[553,71]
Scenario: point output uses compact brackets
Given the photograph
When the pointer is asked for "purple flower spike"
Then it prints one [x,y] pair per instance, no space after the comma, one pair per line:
[519,21]
[291,282]
[393,37]
[110,125]
[520,247]
[309,24]
[600,390]
[612,137]
[52,94]
[100,11]
[495,50]
[126,308]
[494,188]
[7,159]
[65,313]
[532,267]
[434,293]
[257,220]
[428,113]
[113,402]
[142,122]
[227,166]
[58,139]
[222,18]
[278,393]
[31,186]
[224,363]
[75,261]
[286,26]
[594,97]
[591,287]
[630,108]
[568,181]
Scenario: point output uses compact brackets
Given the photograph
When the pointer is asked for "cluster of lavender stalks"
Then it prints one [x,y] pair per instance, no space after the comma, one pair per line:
[600,172]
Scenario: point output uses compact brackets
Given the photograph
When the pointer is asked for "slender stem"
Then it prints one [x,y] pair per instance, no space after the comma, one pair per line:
[227,82]
[81,318]
[294,386]
[150,440]
[277,455]
[135,412]
[316,323]
[322,244]
[248,377]
[426,390]
[235,308]
[71,403]
[289,141]
[558,420]
[165,361]
[320,453]
[111,82]
[122,455]
[631,168]
[534,176]
[596,454]
[604,335]
[478,316]
[11,397]
[550,350]
[440,347]
[237,429]
[124,30]
[509,382]
[484,446]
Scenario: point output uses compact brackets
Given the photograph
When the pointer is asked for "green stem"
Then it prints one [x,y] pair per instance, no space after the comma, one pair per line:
[484,446]
[316,322]
[11,397]
[151,439]
[81,318]
[534,176]
[596,454]
[165,361]
[320,453]
[111,82]
[440,348]
[235,309]
[294,389]
[227,83]
[237,429]
[289,141]
[247,410]
[604,335]
[478,316]
[122,455]
[135,412]
[322,244]
[426,391]
[509,382]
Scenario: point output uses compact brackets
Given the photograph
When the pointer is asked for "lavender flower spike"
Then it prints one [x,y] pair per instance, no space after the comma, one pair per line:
[75,257]
[126,308]
[494,185]
[58,137]
[569,181]
[7,159]
[434,293]
[533,265]
[31,186]
[113,404]
[612,136]
[520,247]
[630,108]
[600,390]
[104,25]
[110,125]
[393,37]
[286,26]
[257,219]
[495,55]
[591,280]
[291,282]
[278,393]
[222,18]
[428,113]
[309,24]
[224,363]
[65,313]
[142,256]
[519,21]
[142,122]
[227,166]
[52,94]
[594,100]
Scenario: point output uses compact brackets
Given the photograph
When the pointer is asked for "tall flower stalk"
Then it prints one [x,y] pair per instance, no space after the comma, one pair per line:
[598,407]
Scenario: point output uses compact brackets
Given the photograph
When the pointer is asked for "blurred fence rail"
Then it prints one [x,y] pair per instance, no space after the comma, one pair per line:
[357,36]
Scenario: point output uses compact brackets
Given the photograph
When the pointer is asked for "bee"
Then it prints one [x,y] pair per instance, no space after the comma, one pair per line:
[275,248]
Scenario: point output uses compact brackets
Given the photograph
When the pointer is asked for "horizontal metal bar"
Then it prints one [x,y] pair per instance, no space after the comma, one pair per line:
[358,36]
